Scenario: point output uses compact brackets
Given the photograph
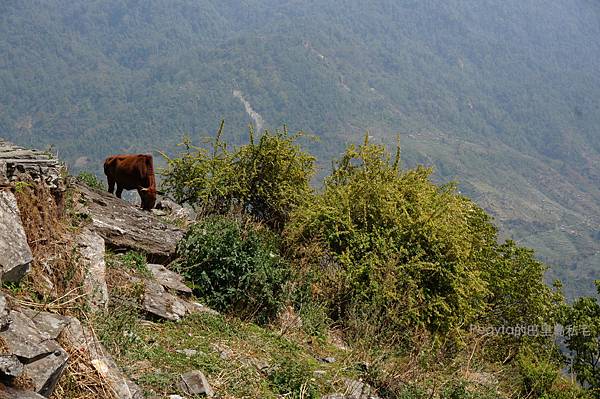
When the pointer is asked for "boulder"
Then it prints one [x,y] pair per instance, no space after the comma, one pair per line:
[169,279]
[15,254]
[125,226]
[91,248]
[195,383]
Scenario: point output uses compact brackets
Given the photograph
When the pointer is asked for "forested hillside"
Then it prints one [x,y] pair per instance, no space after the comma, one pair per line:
[503,97]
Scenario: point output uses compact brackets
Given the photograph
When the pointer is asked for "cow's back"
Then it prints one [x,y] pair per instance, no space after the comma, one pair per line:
[130,171]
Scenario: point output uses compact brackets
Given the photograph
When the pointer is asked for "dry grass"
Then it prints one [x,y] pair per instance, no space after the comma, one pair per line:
[55,282]
[55,271]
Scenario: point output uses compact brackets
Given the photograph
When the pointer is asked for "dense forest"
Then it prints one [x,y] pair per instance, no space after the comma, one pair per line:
[503,97]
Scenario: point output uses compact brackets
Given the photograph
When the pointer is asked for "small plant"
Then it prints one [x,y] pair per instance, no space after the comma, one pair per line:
[136,262]
[294,380]
[20,186]
[91,180]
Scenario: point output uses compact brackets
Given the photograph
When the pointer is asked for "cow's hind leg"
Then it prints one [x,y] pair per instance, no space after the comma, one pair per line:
[119,191]
[111,185]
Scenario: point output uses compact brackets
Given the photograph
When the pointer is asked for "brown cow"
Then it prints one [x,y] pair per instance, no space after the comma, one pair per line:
[132,172]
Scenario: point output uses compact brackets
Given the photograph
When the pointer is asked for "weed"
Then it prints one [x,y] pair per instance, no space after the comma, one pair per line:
[91,180]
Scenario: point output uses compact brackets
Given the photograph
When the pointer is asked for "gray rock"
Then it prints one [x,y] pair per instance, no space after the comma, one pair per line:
[42,358]
[12,393]
[160,303]
[51,324]
[358,390]
[15,254]
[125,226]
[329,359]
[169,279]
[46,371]
[91,248]
[10,366]
[175,210]
[196,307]
[23,339]
[4,318]
[195,383]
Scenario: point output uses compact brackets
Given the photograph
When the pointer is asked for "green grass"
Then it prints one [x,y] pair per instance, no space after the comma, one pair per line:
[240,360]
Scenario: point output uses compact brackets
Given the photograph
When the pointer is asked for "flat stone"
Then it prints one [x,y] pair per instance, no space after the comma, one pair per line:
[169,279]
[51,324]
[92,250]
[125,226]
[46,371]
[23,339]
[15,254]
[195,383]
[160,303]
[10,366]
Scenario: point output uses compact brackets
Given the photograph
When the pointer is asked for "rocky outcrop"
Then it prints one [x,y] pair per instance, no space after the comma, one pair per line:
[124,226]
[17,163]
[15,254]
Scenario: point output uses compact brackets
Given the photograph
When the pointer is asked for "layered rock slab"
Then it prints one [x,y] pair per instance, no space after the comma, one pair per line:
[15,254]
[125,226]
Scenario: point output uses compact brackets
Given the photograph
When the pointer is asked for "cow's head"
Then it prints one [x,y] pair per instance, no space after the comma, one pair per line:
[148,197]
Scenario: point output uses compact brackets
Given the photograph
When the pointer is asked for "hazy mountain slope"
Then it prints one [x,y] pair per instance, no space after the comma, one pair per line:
[502,96]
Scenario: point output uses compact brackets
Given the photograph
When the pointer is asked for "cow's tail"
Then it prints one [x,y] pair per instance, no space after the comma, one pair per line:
[107,163]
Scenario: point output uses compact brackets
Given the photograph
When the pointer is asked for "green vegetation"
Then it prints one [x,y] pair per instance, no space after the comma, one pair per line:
[502,96]
[403,267]
[91,180]
[582,332]
[266,179]
[234,266]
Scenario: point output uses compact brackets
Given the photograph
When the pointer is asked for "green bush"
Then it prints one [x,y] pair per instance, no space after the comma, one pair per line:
[401,246]
[265,179]
[235,267]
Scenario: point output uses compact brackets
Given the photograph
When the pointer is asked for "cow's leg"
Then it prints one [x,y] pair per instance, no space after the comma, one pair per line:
[111,185]
[119,191]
